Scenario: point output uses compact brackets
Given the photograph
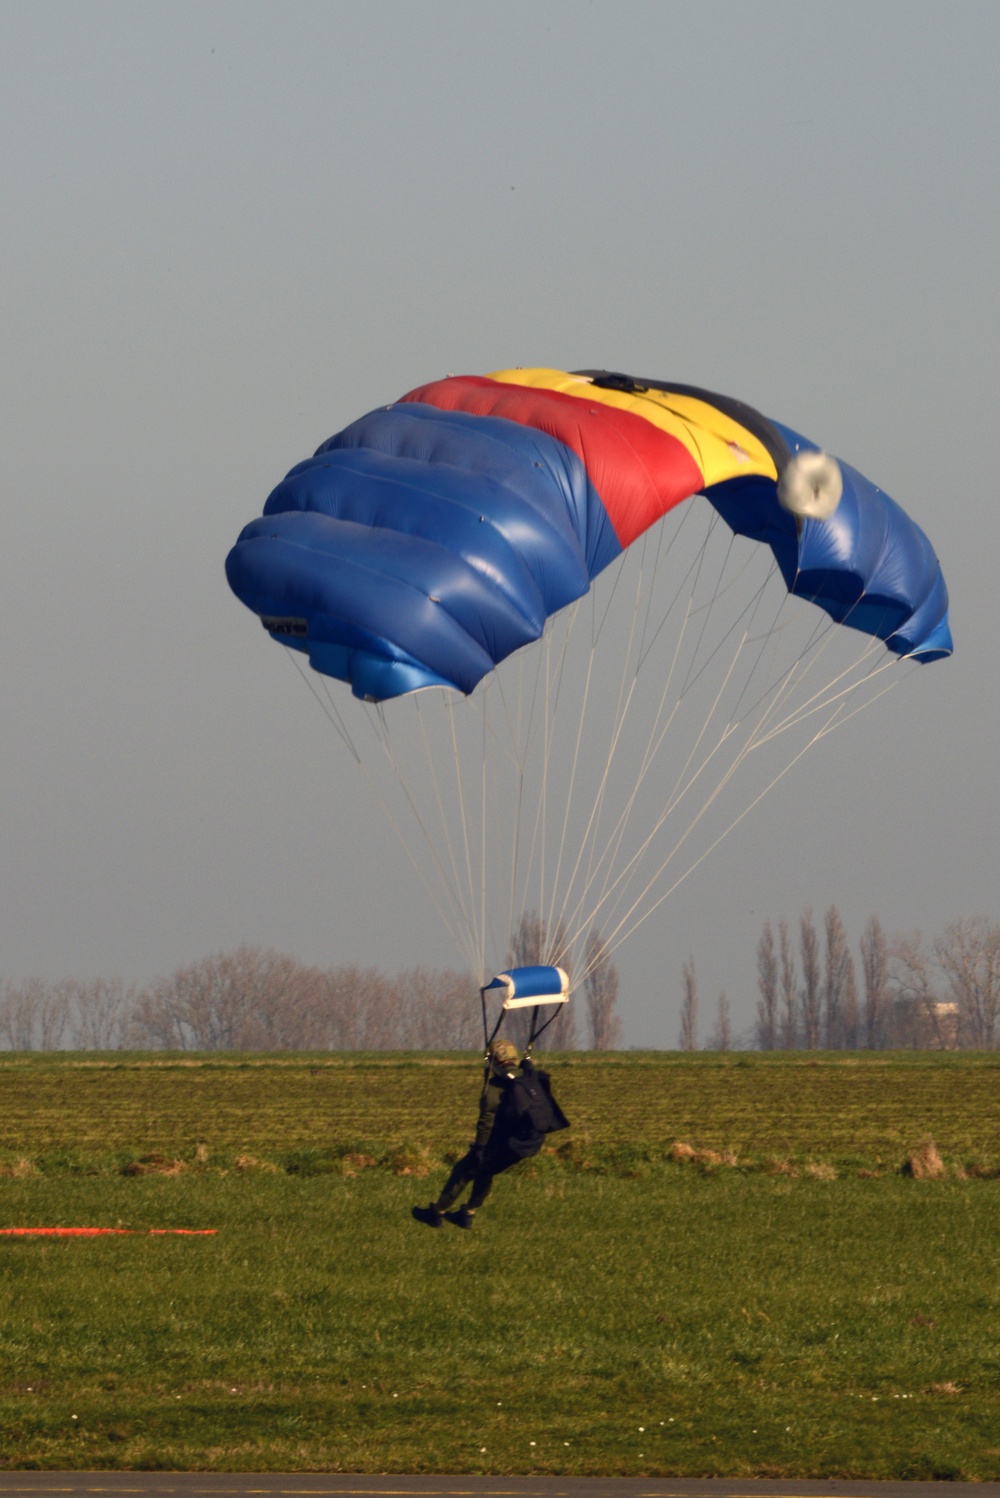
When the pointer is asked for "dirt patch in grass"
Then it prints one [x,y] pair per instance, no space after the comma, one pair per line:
[683,1153]
[154,1165]
[412,1160]
[352,1163]
[250,1162]
[982,1170]
[924,1163]
[819,1170]
[19,1169]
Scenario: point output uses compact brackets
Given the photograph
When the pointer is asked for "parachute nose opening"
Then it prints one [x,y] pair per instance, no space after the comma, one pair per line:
[811,485]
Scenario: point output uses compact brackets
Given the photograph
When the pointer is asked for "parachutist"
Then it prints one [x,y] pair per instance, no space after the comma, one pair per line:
[516,1111]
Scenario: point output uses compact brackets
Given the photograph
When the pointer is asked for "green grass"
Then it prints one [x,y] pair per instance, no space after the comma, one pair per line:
[612,1312]
[855,1110]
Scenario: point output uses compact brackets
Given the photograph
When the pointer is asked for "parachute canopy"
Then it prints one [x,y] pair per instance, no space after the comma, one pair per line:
[551,799]
[434,537]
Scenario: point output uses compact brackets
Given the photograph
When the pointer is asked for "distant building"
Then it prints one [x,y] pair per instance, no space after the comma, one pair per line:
[944,1023]
[925,1025]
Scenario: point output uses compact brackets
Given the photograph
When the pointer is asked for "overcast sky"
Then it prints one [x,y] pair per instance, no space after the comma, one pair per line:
[229,229]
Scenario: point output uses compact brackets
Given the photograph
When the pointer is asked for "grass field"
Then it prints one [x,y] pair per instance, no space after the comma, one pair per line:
[774,1300]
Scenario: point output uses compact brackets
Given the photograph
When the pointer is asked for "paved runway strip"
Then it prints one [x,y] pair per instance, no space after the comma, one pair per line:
[321,1485]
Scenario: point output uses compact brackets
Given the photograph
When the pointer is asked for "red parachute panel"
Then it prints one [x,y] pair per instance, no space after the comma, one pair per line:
[639,471]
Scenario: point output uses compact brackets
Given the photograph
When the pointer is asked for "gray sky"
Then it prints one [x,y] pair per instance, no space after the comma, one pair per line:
[229,229]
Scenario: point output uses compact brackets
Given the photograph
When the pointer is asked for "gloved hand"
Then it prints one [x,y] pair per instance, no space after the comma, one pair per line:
[476,1153]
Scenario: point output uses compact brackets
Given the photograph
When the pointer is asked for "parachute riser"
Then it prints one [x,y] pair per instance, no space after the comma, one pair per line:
[489,1036]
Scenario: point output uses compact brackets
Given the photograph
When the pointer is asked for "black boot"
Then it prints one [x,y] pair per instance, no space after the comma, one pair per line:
[463,1218]
[430,1216]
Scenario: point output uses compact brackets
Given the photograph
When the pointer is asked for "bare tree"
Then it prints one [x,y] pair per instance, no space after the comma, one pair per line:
[287,1012]
[34,1015]
[919,1019]
[600,988]
[850,1016]
[835,978]
[249,999]
[153,1025]
[19,1005]
[379,1001]
[99,1013]
[440,1009]
[339,1004]
[789,1028]
[810,980]
[362,1009]
[875,972]
[53,1016]
[969,956]
[689,1009]
[345,1002]
[767,982]
[722,1038]
[529,946]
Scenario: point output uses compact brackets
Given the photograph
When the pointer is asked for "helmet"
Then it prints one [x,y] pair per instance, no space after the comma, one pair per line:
[503,1055]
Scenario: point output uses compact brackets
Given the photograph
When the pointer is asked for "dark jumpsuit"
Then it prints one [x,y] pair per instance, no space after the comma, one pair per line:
[487,1157]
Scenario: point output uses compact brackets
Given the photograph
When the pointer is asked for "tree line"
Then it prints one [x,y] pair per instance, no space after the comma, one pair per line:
[257,999]
[903,992]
